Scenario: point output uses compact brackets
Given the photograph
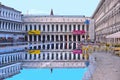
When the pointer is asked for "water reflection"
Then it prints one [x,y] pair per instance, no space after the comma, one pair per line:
[46,74]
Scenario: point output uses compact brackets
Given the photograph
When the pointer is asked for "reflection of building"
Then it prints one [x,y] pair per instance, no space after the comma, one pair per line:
[11,34]
[107,19]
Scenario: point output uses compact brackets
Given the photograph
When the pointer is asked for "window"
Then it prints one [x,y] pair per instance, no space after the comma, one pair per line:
[43,27]
[0,24]
[26,28]
[52,27]
[30,27]
[48,27]
[39,27]
[69,27]
[61,27]
[56,27]
[74,27]
[34,27]
[78,27]
[65,27]
[87,27]
[82,27]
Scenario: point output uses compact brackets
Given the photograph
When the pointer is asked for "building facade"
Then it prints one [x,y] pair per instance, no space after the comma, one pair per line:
[107,19]
[59,36]
[11,38]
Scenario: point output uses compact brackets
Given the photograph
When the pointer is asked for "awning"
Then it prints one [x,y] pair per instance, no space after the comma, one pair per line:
[115,35]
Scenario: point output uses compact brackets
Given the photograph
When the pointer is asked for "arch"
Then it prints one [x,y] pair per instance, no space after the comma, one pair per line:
[52,56]
[26,56]
[70,56]
[65,56]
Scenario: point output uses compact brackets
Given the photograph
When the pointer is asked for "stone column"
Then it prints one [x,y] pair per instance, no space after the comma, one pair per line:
[37,56]
[76,56]
[50,55]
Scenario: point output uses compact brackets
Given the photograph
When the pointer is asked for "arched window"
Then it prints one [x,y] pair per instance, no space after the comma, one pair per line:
[30,27]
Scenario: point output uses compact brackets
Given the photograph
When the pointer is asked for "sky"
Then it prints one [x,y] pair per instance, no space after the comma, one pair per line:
[60,7]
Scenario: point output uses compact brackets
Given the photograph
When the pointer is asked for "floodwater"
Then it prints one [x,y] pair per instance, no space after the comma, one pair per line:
[50,74]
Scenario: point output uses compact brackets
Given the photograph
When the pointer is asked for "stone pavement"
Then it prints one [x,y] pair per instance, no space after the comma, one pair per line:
[107,66]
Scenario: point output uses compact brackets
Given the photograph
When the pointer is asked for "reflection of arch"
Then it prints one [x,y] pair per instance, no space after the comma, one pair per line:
[74,56]
[39,47]
[69,56]
[30,56]
[78,56]
[57,45]
[74,45]
[61,57]
[52,46]
[56,56]
[34,56]
[48,46]
[65,56]
[70,46]
[61,46]
[43,46]
[38,56]
[43,56]
[48,37]
[52,56]
[48,56]
[61,37]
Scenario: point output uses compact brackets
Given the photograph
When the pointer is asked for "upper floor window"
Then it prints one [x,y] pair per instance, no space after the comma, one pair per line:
[78,27]
[74,27]
[69,27]
[48,27]
[87,27]
[65,27]
[56,27]
[52,27]
[83,27]
[43,27]
[26,28]
[61,27]
[35,27]
[30,27]
[39,27]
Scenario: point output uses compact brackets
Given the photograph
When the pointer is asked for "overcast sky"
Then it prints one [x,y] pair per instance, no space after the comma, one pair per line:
[60,7]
